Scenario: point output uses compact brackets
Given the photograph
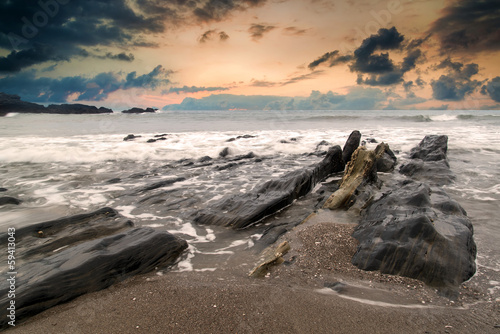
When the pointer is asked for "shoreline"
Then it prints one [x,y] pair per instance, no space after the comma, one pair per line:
[291,299]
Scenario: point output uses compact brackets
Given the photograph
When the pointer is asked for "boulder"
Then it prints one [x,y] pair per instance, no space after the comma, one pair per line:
[414,228]
[247,209]
[351,145]
[385,158]
[417,231]
[224,153]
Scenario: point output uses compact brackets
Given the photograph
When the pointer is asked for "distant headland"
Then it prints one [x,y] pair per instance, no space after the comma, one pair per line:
[10,103]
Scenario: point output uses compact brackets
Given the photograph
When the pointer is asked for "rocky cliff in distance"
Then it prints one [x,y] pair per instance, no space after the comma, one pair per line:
[13,104]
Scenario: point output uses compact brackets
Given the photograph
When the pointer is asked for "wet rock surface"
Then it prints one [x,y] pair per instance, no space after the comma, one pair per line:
[71,256]
[243,210]
[414,228]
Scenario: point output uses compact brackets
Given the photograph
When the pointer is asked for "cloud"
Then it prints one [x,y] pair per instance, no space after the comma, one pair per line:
[210,35]
[216,10]
[257,31]
[262,83]
[332,58]
[492,88]
[469,26]
[18,60]
[373,66]
[358,98]
[120,56]
[294,31]
[302,77]
[67,28]
[457,83]
[97,88]
[192,89]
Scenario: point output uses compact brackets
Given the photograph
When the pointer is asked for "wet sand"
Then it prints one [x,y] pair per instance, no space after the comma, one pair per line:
[292,298]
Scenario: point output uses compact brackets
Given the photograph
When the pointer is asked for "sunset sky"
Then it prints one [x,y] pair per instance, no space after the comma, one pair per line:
[355,54]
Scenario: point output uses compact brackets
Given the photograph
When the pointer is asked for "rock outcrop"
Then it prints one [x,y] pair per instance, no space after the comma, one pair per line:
[351,145]
[68,257]
[414,228]
[272,196]
[13,104]
[428,161]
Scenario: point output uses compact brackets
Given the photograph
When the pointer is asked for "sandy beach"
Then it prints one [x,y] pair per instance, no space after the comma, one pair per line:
[316,290]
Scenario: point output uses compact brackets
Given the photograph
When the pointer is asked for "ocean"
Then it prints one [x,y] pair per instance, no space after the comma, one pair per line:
[60,165]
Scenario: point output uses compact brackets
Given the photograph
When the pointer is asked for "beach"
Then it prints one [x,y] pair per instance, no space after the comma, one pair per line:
[292,299]
[74,164]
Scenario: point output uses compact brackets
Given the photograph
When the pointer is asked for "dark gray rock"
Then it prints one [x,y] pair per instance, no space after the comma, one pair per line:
[9,200]
[428,161]
[131,137]
[161,184]
[88,267]
[351,145]
[224,153]
[414,228]
[151,141]
[272,196]
[419,232]
[385,158]
[3,189]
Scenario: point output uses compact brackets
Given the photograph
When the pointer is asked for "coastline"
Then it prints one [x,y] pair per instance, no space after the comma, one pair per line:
[291,299]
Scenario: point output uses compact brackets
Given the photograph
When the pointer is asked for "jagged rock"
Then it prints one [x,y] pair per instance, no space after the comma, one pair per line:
[88,267]
[9,200]
[385,158]
[138,111]
[161,184]
[272,196]
[414,228]
[429,162]
[419,232]
[351,145]
[359,171]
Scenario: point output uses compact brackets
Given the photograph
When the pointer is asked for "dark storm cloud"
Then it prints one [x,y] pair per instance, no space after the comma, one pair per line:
[492,88]
[17,60]
[120,56]
[192,89]
[257,31]
[80,24]
[216,10]
[373,66]
[457,83]
[469,26]
[34,89]
[367,62]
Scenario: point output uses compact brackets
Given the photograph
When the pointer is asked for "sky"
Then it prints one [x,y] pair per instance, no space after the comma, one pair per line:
[248,54]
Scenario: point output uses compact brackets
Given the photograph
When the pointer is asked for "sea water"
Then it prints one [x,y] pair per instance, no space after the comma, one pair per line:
[60,165]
